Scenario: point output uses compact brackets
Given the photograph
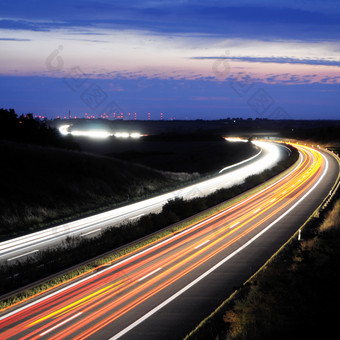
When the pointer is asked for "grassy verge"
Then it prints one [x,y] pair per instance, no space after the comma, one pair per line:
[294,295]
[74,251]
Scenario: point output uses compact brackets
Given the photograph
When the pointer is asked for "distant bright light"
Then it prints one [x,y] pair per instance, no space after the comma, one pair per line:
[135,135]
[122,135]
[63,129]
[99,134]
[235,139]
[87,133]
[127,135]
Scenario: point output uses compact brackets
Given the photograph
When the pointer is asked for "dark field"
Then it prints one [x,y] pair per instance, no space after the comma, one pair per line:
[174,152]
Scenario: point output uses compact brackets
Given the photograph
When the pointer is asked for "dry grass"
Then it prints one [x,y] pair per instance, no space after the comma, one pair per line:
[332,219]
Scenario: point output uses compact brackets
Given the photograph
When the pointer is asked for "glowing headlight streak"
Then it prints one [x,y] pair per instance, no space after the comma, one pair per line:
[100,134]
[135,135]
[235,139]
[272,157]
[122,135]
[245,161]
[64,129]
[97,134]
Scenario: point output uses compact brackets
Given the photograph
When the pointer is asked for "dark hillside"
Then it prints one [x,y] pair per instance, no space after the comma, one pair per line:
[40,184]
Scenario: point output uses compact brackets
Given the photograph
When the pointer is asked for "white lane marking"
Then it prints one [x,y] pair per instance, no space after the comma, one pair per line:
[272,200]
[184,289]
[91,232]
[133,218]
[200,245]
[60,324]
[148,249]
[16,257]
[257,210]
[234,225]
[155,271]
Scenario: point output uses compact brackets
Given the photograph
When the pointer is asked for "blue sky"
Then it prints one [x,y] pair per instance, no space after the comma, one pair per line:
[186,59]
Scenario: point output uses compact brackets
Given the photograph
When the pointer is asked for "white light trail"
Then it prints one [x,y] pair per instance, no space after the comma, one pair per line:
[98,134]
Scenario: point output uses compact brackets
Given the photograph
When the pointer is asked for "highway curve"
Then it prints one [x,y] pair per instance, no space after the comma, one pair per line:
[165,289]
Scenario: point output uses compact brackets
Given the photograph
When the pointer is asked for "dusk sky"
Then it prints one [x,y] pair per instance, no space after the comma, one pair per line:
[187,59]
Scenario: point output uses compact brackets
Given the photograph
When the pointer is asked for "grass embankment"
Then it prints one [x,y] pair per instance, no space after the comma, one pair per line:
[75,251]
[295,295]
[39,185]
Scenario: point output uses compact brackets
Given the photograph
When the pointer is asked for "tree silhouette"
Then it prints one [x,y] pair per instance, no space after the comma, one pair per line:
[27,129]
[9,124]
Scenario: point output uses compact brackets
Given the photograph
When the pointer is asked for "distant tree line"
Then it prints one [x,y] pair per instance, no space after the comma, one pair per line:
[27,129]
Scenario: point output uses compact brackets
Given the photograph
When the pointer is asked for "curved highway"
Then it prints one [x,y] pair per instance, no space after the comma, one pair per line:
[19,248]
[165,289]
